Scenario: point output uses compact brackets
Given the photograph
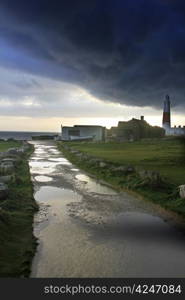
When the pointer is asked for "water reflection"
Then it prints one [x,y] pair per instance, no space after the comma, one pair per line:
[93,186]
[43,178]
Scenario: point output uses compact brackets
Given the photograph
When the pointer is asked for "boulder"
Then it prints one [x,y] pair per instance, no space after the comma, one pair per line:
[102,164]
[7,178]
[74,151]
[3,154]
[3,191]
[79,155]
[85,157]
[16,151]
[151,178]
[143,174]
[130,169]
[94,161]
[26,146]
[13,151]
[147,174]
[124,170]
[6,168]
[12,160]
[15,159]
[66,147]
[119,169]
[182,191]
[21,150]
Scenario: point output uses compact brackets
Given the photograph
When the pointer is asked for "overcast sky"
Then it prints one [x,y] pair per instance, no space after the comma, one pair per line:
[90,61]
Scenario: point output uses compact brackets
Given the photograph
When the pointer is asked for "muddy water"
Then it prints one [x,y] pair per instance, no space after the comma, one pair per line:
[86,229]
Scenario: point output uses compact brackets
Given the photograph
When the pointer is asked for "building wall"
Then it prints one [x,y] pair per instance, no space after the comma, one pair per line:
[65,132]
[97,132]
[176,131]
[133,130]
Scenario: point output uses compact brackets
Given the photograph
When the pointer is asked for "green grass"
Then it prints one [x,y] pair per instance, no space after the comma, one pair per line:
[167,156]
[5,145]
[17,243]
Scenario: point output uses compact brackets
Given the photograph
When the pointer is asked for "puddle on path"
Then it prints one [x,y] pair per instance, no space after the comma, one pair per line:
[43,178]
[36,158]
[54,151]
[59,159]
[42,167]
[94,186]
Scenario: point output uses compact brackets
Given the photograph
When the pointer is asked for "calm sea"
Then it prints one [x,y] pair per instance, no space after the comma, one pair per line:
[23,135]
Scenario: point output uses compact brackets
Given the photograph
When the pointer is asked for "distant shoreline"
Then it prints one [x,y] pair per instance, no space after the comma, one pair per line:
[24,135]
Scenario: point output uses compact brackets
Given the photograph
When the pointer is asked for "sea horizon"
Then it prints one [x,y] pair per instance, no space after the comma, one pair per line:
[23,135]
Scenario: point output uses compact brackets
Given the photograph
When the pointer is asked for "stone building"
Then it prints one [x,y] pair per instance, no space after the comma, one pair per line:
[134,130]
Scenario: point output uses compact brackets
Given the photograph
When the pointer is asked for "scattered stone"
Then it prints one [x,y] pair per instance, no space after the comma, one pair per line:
[182,191]
[3,154]
[79,155]
[130,169]
[85,157]
[152,175]
[12,160]
[17,151]
[3,191]
[102,164]
[6,168]
[74,151]
[123,169]
[25,146]
[143,174]
[20,151]
[7,178]
[12,151]
[94,161]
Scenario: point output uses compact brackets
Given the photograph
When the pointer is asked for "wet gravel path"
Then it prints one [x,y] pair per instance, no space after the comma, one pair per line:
[86,229]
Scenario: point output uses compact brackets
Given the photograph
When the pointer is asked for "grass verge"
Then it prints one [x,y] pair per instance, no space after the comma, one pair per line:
[165,156]
[17,242]
[5,145]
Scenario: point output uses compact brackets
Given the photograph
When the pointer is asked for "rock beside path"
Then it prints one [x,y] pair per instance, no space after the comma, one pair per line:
[7,178]
[182,191]
[3,191]
[6,168]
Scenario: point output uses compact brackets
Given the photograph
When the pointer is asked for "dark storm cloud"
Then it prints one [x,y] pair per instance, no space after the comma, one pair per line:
[131,51]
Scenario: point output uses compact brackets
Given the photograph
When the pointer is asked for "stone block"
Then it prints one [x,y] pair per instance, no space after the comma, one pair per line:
[3,191]
[182,191]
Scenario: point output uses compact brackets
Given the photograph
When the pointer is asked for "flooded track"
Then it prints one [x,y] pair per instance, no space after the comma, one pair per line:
[86,229]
